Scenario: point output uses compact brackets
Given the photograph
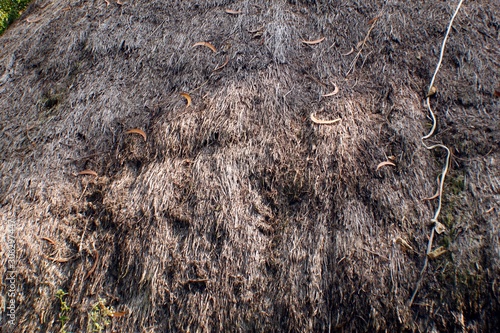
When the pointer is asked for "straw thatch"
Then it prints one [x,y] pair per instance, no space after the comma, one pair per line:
[238,213]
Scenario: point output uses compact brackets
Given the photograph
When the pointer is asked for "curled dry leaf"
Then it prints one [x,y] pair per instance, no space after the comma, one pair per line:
[333,93]
[118,314]
[313,42]
[49,240]
[88,173]
[137,131]
[223,64]
[432,91]
[233,12]
[206,44]
[435,196]
[187,97]
[324,122]
[437,252]
[440,228]
[404,244]
[382,164]
[350,51]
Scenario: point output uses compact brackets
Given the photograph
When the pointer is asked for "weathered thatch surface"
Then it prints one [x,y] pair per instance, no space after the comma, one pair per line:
[238,213]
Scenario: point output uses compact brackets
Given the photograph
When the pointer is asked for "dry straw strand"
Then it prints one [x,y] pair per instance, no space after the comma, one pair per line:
[447,161]
[372,23]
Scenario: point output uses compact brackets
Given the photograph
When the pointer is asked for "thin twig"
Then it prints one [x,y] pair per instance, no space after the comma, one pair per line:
[351,67]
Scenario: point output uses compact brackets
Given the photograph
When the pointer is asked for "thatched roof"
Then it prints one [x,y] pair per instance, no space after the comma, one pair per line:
[238,212]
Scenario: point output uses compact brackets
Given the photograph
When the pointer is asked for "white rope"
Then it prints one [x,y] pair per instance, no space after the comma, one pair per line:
[447,162]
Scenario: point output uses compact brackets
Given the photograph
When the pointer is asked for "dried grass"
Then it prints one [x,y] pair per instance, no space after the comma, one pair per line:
[239,213]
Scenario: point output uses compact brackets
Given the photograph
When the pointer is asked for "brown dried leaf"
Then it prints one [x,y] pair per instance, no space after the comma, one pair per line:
[313,42]
[137,131]
[432,91]
[207,44]
[49,240]
[435,196]
[187,97]
[382,164]
[118,314]
[233,12]
[88,173]
[497,91]
[324,122]
[223,65]
[440,228]
[333,93]
[404,244]
[437,252]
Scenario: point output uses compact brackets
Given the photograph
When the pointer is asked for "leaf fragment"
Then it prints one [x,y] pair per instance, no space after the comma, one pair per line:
[88,172]
[223,65]
[432,91]
[440,228]
[49,240]
[323,122]
[137,131]
[382,164]
[118,314]
[333,93]
[206,44]
[437,252]
[313,42]
[404,244]
[38,19]
[187,97]
[435,196]
[233,12]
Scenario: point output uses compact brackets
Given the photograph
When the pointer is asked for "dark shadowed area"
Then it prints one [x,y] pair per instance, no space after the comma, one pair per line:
[238,212]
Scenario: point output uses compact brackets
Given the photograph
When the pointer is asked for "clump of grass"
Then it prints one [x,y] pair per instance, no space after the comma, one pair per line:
[100,316]
[9,11]
[64,311]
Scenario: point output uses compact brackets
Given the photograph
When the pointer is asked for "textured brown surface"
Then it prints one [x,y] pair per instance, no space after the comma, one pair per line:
[238,213]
